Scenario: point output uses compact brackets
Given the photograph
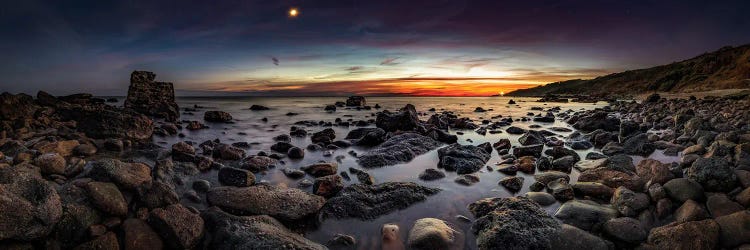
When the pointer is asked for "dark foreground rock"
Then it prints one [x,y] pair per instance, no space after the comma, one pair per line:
[398,149]
[30,206]
[405,119]
[229,232]
[152,98]
[367,202]
[286,204]
[464,159]
[512,223]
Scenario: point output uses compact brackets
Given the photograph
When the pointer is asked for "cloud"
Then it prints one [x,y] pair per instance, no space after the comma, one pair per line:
[275,61]
[390,61]
[354,68]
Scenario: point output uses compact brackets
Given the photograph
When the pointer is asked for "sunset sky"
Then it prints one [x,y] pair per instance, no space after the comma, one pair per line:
[340,47]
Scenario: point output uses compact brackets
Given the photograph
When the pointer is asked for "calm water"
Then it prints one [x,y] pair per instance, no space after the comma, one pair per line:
[446,205]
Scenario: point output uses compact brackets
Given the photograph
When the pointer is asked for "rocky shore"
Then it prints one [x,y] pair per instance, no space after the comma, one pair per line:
[76,172]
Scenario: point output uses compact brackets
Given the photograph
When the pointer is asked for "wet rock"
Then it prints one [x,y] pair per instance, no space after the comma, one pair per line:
[177,225]
[356,101]
[182,151]
[597,120]
[719,205]
[560,189]
[367,136]
[257,163]
[362,176]
[321,169]
[501,144]
[397,149]
[406,119]
[612,178]
[296,153]
[217,116]
[325,136]
[585,214]
[515,222]
[531,150]
[683,189]
[513,130]
[258,232]
[286,204]
[541,198]
[16,106]
[151,98]
[548,176]
[735,229]
[106,241]
[138,235]
[256,107]
[629,203]
[107,198]
[654,171]
[512,183]
[367,202]
[431,233]
[160,194]
[236,177]
[689,235]
[30,206]
[593,189]
[330,108]
[431,174]
[195,125]
[638,145]
[341,241]
[714,174]
[328,186]
[84,150]
[690,211]
[127,176]
[464,159]
[571,237]
[532,137]
[293,173]
[467,179]
[625,229]
[228,152]
[50,163]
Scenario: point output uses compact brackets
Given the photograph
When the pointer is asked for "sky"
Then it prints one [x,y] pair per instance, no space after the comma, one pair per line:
[344,47]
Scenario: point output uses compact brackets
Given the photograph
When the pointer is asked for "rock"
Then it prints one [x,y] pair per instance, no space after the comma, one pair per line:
[397,149]
[367,202]
[571,237]
[560,189]
[138,235]
[690,211]
[63,148]
[106,241]
[256,107]
[325,136]
[390,237]
[625,229]
[526,164]
[341,241]
[431,174]
[160,194]
[597,120]
[512,183]
[683,189]
[182,151]
[629,203]
[127,176]
[177,225]
[356,101]
[585,215]
[257,163]
[286,204]
[296,153]
[719,205]
[612,178]
[564,164]
[467,179]
[541,198]
[228,152]
[653,98]
[151,98]
[593,189]
[84,150]
[531,150]
[236,177]
[638,145]
[404,120]
[689,235]
[654,171]
[714,174]
[431,233]
[293,173]
[464,159]
[501,144]
[257,232]
[548,176]
[50,163]
[30,205]
[328,186]
[362,176]
[744,197]
[106,123]
[195,125]
[16,106]
[217,116]
[532,137]
[367,136]
[321,169]
[517,222]
[513,130]
[735,229]
[511,102]
[330,108]
[107,198]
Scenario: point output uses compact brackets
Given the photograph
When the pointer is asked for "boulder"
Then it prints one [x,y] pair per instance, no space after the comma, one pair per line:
[324,137]
[105,123]
[541,198]
[512,223]
[217,116]
[182,151]
[138,235]
[328,186]
[366,136]
[106,241]
[530,150]
[257,163]
[571,237]
[30,206]
[356,101]
[683,189]
[177,225]
[690,211]
[151,98]
[257,232]
[464,159]
[629,203]
[228,152]
[431,233]
[236,177]
[404,120]
[107,198]
[430,174]
[397,149]
[160,194]
[638,145]
[321,169]
[714,174]
[689,235]
[51,163]
[512,183]
[584,214]
[127,176]
[286,204]
[626,230]
[367,202]
[735,229]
